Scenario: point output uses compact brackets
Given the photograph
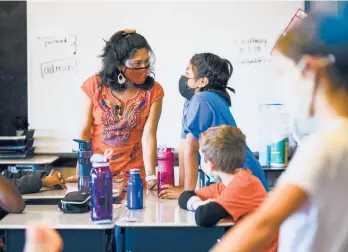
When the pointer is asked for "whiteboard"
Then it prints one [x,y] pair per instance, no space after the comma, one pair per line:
[65,39]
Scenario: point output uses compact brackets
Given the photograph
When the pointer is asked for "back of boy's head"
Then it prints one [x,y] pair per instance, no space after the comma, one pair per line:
[225,147]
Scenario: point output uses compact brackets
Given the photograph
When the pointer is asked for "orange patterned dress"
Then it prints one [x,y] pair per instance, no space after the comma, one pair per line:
[120,133]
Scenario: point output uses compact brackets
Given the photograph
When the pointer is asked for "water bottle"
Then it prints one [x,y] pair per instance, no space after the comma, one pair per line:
[274,135]
[101,189]
[165,164]
[135,190]
[84,155]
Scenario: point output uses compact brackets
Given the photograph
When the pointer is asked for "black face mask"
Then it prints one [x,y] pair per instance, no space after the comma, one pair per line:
[185,90]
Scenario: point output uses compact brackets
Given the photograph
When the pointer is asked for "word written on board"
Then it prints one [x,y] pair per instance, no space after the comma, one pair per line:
[252,51]
[58,68]
[54,42]
[255,61]
[253,45]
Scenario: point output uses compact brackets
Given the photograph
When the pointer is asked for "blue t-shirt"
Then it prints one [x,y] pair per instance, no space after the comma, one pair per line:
[208,109]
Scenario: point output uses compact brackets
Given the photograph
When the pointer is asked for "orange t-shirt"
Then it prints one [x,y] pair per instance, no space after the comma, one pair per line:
[120,133]
[243,195]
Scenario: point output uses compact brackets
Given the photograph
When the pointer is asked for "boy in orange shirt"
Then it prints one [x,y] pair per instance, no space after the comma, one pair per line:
[223,151]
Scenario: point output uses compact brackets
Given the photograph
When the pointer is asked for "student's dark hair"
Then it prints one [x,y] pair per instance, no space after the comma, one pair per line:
[320,35]
[225,147]
[217,70]
[121,47]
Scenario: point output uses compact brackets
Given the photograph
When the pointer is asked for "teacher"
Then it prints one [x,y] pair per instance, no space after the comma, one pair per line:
[123,105]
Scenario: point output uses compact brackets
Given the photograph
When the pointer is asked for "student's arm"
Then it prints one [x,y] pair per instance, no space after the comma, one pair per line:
[205,194]
[191,162]
[10,198]
[181,163]
[198,120]
[25,181]
[149,140]
[30,183]
[188,200]
[207,214]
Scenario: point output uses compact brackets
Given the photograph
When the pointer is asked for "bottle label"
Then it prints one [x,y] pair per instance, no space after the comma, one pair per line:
[279,152]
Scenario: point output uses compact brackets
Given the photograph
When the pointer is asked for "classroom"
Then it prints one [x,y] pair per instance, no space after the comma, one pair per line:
[173,125]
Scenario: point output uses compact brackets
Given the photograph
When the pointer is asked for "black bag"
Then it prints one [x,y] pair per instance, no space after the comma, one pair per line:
[75,202]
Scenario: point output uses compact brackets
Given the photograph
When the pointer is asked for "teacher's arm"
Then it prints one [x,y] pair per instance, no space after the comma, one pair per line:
[149,139]
[86,126]
[10,198]
[87,119]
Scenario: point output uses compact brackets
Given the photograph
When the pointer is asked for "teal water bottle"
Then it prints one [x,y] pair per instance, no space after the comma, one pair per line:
[279,153]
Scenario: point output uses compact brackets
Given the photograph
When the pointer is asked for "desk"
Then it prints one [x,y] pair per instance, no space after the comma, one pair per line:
[50,196]
[79,233]
[36,160]
[163,226]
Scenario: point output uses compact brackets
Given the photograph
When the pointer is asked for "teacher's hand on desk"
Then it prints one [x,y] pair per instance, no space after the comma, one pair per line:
[170,192]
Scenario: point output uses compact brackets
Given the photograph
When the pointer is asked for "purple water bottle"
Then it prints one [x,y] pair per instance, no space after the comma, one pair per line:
[84,155]
[165,164]
[101,189]
[135,190]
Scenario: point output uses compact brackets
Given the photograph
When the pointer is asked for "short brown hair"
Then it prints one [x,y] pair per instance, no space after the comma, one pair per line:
[225,147]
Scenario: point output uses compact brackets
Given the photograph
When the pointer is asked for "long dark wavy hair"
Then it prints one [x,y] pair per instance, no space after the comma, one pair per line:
[217,70]
[121,47]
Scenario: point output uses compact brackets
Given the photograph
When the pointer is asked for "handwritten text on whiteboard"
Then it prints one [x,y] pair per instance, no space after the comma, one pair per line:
[58,68]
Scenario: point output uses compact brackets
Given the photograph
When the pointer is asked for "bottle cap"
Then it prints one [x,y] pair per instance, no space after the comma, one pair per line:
[134,171]
[99,160]
[84,145]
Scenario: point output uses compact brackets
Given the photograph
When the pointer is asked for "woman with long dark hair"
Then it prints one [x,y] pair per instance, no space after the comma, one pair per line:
[123,105]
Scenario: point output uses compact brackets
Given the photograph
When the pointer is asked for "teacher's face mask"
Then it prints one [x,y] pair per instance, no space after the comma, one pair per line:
[137,75]
[185,90]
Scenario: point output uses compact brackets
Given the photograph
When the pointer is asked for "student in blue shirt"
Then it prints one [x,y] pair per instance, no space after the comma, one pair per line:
[204,85]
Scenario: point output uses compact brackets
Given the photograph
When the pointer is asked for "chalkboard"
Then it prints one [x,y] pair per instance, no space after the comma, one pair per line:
[13,64]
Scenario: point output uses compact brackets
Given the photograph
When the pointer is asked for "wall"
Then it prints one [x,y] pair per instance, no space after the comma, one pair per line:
[334,7]
[62,38]
[13,57]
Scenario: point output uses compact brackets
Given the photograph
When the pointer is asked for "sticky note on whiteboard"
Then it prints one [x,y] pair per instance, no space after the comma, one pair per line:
[296,19]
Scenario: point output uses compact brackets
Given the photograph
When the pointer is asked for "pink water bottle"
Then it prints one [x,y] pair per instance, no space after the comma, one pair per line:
[165,172]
